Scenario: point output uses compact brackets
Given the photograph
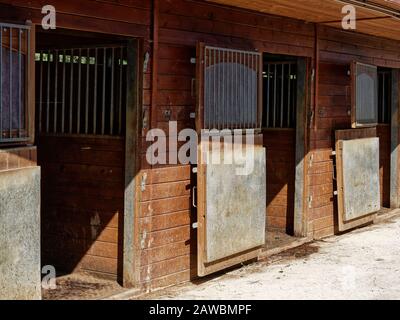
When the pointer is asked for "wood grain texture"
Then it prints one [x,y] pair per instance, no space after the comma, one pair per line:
[82,203]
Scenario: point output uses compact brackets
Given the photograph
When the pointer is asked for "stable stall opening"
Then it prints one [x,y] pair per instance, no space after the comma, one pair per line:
[81,102]
[279,136]
[384,131]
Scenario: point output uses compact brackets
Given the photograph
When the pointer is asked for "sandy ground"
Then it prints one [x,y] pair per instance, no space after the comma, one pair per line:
[363,264]
[82,286]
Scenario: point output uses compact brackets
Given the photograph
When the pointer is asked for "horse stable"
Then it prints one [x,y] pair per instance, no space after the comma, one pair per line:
[78,102]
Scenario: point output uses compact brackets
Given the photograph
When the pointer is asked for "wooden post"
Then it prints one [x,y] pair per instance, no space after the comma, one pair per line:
[394,156]
[131,262]
[300,221]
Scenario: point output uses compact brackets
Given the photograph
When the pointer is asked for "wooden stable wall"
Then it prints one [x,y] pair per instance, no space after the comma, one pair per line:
[168,241]
[280,146]
[95,233]
[82,203]
[383,132]
[182,25]
[18,158]
[337,49]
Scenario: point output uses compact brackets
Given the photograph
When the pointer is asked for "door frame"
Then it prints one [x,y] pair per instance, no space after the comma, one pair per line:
[130,273]
[301,148]
[395,148]
[131,249]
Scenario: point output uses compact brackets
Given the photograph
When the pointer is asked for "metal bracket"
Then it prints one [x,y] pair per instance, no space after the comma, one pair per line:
[310,200]
[143,182]
[194,198]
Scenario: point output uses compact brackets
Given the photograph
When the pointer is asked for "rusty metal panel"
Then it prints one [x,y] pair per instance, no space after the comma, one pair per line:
[360,176]
[20,234]
[235,207]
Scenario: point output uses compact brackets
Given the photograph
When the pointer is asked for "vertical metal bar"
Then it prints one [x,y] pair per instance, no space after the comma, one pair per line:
[1,82]
[240,90]
[214,91]
[104,91]
[41,92]
[237,84]
[19,82]
[282,92]
[112,92]
[289,106]
[11,87]
[71,90]
[78,114]
[207,90]
[253,86]
[219,92]
[48,92]
[95,93]
[120,91]
[245,90]
[207,104]
[56,60]
[63,96]
[87,91]
[247,95]
[268,93]
[275,92]
[230,90]
[223,84]
[28,68]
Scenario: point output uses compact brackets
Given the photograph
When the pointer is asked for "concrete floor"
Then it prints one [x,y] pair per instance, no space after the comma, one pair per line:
[363,264]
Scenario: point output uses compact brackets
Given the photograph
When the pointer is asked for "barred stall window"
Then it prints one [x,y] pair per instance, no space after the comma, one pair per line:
[14,67]
[280,94]
[232,89]
[364,95]
[82,91]
[384,95]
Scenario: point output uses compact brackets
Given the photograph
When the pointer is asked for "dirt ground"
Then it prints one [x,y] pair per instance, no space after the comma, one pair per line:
[82,286]
[363,264]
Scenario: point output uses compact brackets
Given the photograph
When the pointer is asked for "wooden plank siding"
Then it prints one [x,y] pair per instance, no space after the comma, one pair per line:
[82,203]
[182,25]
[280,145]
[83,191]
[167,241]
[337,50]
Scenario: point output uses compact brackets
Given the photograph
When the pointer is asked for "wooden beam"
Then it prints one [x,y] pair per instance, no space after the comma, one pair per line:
[131,254]
[300,221]
[154,85]
[394,156]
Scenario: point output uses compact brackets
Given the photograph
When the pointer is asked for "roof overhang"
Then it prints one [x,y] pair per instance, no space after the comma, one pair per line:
[374,17]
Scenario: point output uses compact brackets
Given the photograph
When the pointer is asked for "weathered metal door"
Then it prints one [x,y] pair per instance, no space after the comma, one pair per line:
[231,193]
[357,170]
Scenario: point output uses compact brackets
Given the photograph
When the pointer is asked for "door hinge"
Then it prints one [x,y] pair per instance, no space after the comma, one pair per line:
[146,61]
[310,200]
[194,197]
[143,182]
[145,119]
[310,117]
